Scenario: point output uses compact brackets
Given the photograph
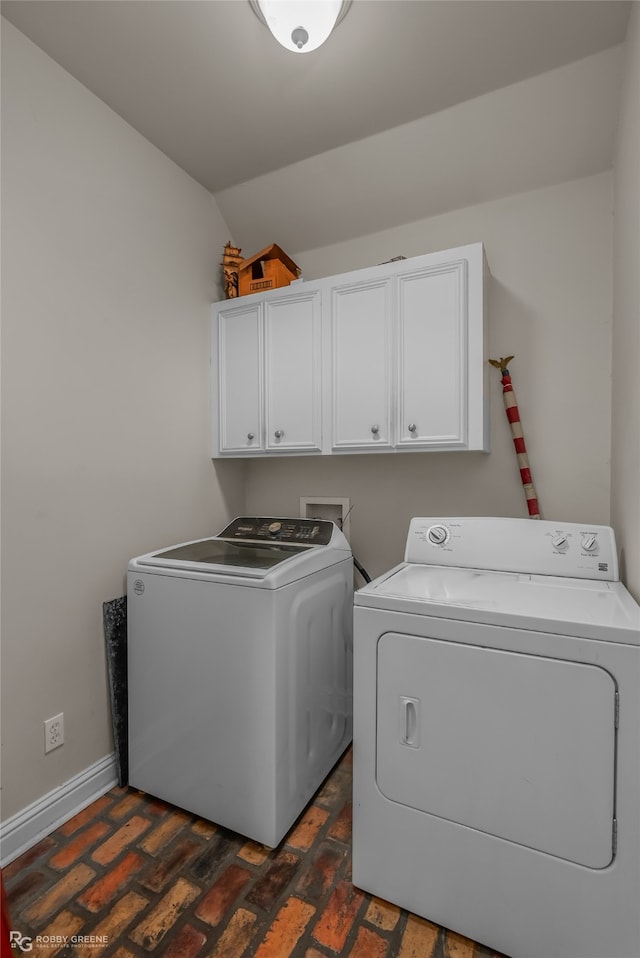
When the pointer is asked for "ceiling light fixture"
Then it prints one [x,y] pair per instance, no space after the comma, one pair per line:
[300,25]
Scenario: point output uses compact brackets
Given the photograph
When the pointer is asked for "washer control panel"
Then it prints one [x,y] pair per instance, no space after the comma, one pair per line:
[315,532]
[540,547]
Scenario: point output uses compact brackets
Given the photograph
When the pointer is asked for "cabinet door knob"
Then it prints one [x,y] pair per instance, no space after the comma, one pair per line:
[250,436]
[375,430]
[279,433]
[412,427]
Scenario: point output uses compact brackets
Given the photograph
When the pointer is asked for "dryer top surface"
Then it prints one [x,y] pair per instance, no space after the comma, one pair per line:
[581,607]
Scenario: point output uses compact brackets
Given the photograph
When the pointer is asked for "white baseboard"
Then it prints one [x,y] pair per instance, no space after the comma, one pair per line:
[26,828]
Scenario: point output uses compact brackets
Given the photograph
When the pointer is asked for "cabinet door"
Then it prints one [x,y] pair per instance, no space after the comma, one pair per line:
[432,357]
[292,343]
[361,364]
[238,359]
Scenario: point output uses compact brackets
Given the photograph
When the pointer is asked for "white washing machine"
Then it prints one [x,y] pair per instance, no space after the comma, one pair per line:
[240,671]
[497,737]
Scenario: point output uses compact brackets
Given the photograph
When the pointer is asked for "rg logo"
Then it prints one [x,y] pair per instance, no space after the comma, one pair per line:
[23,943]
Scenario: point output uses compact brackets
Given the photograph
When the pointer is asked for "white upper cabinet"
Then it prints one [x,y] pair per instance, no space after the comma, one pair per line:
[385,359]
[408,364]
[292,342]
[266,395]
[238,386]
[432,346]
[361,365]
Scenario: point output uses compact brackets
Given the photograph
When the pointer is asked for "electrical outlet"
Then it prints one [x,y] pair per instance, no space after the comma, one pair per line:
[53,732]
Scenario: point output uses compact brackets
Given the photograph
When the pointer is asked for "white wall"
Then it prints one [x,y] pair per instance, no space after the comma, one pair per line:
[549,252]
[547,129]
[625,500]
[110,260]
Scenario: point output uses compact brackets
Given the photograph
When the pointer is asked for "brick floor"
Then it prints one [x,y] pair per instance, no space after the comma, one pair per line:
[135,878]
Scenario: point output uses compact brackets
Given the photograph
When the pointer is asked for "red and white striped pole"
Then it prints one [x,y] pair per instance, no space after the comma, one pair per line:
[513,415]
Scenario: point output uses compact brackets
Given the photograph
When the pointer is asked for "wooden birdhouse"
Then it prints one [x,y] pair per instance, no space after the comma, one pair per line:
[271,268]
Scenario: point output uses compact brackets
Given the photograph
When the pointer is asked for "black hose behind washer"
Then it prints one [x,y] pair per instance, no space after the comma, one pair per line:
[363,572]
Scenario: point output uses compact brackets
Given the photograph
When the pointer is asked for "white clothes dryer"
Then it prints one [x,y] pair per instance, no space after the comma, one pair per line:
[240,671]
[497,737]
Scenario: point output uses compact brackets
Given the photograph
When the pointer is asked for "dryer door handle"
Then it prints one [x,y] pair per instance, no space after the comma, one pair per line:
[409,721]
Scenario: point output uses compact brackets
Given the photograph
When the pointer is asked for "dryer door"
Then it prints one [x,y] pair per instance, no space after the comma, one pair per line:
[519,746]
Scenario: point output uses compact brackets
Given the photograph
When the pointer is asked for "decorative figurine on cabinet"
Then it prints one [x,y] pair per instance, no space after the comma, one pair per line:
[231,260]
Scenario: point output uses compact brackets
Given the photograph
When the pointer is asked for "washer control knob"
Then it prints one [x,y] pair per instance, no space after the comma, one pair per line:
[438,535]
[275,527]
[560,542]
[590,543]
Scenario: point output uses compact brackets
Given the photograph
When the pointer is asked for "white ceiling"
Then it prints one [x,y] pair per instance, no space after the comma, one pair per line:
[205,82]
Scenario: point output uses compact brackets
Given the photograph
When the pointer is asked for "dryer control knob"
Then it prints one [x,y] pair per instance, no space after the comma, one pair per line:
[438,535]
[590,543]
[275,527]
[560,543]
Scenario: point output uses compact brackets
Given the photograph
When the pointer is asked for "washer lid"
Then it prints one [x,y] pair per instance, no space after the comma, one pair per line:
[583,607]
[253,559]
[265,552]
